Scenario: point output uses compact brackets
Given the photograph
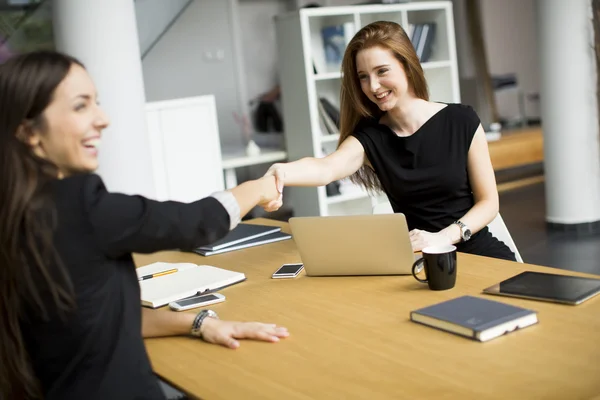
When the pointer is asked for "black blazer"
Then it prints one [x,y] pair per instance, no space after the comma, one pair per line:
[98,352]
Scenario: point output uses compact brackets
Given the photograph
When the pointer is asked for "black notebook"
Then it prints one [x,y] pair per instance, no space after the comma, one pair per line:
[474,317]
[239,234]
[265,239]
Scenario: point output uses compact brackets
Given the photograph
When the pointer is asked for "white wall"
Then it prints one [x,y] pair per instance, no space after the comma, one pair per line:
[471,91]
[258,44]
[464,54]
[510,35]
[196,56]
[153,17]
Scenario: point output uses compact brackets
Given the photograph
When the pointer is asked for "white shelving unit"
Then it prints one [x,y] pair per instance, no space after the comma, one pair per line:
[184,139]
[300,47]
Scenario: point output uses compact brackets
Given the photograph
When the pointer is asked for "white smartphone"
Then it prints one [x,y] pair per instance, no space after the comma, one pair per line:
[288,271]
[196,301]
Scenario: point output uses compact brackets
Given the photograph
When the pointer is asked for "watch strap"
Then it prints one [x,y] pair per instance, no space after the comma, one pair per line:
[460,224]
[463,230]
[197,324]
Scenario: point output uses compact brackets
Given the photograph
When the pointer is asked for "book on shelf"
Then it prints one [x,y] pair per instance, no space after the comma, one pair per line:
[188,280]
[328,125]
[475,318]
[335,40]
[415,32]
[426,42]
[331,110]
[322,125]
[422,37]
[332,189]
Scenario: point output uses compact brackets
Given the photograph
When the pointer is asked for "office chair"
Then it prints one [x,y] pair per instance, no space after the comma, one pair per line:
[499,230]
[497,227]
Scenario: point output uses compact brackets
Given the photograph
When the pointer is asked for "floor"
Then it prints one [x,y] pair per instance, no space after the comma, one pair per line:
[524,211]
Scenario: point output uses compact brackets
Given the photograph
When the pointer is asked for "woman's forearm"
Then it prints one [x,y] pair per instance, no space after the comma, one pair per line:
[156,323]
[311,171]
[479,216]
[308,171]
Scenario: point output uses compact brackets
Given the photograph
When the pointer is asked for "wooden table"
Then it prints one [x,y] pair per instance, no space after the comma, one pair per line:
[351,338]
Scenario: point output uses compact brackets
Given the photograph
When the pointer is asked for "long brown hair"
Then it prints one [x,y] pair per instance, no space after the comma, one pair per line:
[28,263]
[354,104]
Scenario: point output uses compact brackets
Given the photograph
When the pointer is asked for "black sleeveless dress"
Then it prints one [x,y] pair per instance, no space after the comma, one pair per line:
[425,175]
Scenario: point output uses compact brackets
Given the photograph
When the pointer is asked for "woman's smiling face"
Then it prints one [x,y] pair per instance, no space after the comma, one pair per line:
[382,77]
[72,124]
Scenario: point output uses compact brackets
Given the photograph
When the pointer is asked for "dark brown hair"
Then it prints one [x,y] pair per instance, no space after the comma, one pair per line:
[29,266]
[354,104]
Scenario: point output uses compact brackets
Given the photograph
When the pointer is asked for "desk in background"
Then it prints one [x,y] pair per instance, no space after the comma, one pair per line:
[351,338]
[233,159]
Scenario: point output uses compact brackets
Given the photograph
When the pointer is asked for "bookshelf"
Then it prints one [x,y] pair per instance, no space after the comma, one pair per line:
[306,76]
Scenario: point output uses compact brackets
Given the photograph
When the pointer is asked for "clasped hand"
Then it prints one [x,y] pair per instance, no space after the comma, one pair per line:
[420,239]
[276,203]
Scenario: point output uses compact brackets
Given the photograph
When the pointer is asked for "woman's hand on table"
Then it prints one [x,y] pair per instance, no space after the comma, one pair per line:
[227,333]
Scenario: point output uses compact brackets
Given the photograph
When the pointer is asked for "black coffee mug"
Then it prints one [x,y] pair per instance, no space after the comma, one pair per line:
[440,267]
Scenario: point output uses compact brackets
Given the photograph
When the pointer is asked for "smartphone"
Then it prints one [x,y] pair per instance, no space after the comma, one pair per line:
[288,271]
[196,301]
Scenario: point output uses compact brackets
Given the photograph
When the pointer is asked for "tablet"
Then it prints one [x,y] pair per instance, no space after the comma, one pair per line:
[548,287]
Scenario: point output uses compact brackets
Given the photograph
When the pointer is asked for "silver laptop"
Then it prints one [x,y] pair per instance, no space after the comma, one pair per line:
[353,245]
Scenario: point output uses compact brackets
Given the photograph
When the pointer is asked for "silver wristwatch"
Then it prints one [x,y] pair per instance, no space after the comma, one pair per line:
[465,232]
[197,324]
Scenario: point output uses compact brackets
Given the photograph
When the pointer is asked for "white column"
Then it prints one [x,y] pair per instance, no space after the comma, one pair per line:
[103,35]
[569,111]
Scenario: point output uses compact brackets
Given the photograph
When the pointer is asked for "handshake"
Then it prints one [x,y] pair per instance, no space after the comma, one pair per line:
[272,198]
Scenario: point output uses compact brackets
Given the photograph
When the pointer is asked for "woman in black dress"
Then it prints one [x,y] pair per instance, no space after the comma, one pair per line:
[71,322]
[431,159]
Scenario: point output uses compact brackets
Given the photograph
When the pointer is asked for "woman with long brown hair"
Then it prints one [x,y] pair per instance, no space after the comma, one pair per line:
[71,323]
[431,159]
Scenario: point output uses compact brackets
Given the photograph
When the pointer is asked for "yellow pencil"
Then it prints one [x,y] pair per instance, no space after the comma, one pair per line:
[167,272]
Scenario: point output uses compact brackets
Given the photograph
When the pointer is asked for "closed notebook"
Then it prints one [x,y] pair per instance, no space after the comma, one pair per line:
[266,239]
[239,234]
[474,317]
[189,280]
